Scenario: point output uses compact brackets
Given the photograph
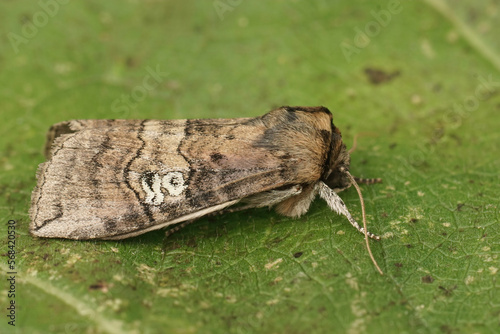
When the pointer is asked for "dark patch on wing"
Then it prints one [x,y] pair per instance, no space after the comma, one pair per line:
[308,109]
[131,217]
[284,171]
[216,157]
[291,116]
[148,178]
[110,225]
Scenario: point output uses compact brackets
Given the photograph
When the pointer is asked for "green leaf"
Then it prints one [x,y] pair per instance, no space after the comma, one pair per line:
[418,81]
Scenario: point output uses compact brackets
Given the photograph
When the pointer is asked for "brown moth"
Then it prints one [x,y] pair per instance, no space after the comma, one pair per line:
[114,179]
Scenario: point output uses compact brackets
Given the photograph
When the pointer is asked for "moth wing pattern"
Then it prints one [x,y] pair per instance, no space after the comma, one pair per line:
[112,179]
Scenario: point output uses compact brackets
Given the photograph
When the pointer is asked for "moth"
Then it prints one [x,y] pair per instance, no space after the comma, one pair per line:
[115,179]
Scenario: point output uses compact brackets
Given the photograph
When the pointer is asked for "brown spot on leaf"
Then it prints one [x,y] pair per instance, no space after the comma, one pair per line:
[427,279]
[447,291]
[100,285]
[377,76]
[131,61]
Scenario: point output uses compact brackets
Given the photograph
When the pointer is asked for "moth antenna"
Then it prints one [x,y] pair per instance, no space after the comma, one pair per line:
[354,144]
[355,140]
[353,181]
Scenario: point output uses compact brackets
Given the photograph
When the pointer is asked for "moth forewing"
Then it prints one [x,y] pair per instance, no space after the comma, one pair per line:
[119,178]
[113,179]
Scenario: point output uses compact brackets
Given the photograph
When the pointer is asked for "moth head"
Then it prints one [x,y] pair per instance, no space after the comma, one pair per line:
[338,162]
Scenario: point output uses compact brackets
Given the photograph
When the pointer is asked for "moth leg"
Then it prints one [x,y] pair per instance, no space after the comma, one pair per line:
[367,181]
[178,227]
[337,204]
[171,231]
[296,206]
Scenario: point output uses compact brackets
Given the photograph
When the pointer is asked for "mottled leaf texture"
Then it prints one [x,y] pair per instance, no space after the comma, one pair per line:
[417,82]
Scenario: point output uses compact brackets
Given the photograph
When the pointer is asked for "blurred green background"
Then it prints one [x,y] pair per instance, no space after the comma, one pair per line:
[419,80]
